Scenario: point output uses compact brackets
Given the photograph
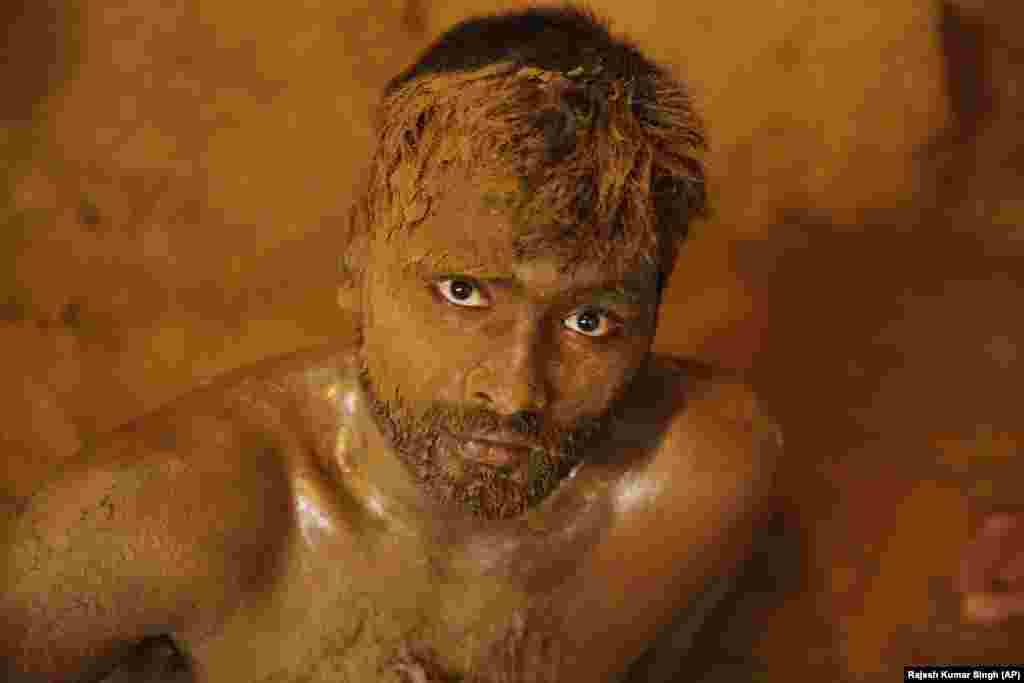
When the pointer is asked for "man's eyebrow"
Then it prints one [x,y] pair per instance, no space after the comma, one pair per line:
[613,290]
[443,263]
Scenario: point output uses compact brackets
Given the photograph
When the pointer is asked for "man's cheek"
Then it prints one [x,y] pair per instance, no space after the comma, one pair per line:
[423,373]
[588,384]
[399,340]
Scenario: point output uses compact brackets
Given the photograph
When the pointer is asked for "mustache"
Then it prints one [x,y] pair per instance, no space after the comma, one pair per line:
[526,426]
[481,422]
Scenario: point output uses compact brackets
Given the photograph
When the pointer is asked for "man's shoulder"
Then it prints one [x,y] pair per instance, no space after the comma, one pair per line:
[230,413]
[197,465]
[714,415]
[242,403]
[702,391]
[279,369]
[238,436]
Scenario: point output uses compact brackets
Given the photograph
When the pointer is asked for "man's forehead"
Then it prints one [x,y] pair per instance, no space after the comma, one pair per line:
[471,214]
[471,229]
[462,222]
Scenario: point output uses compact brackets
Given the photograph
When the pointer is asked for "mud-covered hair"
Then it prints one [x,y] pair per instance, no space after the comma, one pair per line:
[593,147]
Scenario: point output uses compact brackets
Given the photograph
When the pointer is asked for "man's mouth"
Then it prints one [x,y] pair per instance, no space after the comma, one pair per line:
[497,451]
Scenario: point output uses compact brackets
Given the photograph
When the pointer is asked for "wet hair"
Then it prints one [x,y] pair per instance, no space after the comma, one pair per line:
[594,148]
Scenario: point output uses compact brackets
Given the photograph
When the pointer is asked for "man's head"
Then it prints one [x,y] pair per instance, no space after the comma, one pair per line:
[532,181]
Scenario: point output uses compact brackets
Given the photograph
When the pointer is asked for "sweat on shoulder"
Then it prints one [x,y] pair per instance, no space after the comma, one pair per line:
[492,478]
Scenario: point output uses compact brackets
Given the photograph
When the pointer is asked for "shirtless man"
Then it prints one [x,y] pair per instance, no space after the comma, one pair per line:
[493,478]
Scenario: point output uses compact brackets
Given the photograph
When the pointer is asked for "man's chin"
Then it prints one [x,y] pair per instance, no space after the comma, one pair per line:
[466,486]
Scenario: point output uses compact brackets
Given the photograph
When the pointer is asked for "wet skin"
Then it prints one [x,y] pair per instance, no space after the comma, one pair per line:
[268,526]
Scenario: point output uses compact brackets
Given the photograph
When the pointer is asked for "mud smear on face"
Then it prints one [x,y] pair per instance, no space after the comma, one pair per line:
[421,437]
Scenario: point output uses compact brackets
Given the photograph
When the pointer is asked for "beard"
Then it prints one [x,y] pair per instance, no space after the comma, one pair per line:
[422,439]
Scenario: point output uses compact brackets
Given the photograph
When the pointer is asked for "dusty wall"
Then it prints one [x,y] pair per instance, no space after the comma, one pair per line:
[176,172]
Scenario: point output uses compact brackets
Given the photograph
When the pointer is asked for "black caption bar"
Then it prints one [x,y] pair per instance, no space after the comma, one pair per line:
[981,672]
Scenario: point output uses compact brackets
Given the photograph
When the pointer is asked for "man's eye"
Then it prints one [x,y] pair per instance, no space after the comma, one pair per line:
[591,323]
[461,293]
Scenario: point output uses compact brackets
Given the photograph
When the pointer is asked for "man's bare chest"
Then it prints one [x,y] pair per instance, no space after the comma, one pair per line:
[394,616]
[363,604]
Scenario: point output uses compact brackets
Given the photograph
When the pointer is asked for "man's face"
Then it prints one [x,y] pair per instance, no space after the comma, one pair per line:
[489,373]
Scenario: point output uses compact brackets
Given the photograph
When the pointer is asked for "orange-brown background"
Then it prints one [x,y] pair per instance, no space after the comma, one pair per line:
[174,174]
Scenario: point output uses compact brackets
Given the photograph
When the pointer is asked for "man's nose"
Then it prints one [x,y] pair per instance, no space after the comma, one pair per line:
[513,380]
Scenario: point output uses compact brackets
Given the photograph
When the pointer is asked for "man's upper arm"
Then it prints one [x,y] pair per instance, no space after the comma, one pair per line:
[686,517]
[718,459]
[736,466]
[157,531]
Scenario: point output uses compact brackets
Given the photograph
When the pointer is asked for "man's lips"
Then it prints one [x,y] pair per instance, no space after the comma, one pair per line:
[497,451]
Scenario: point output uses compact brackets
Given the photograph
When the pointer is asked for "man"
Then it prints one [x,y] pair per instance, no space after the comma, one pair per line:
[493,479]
